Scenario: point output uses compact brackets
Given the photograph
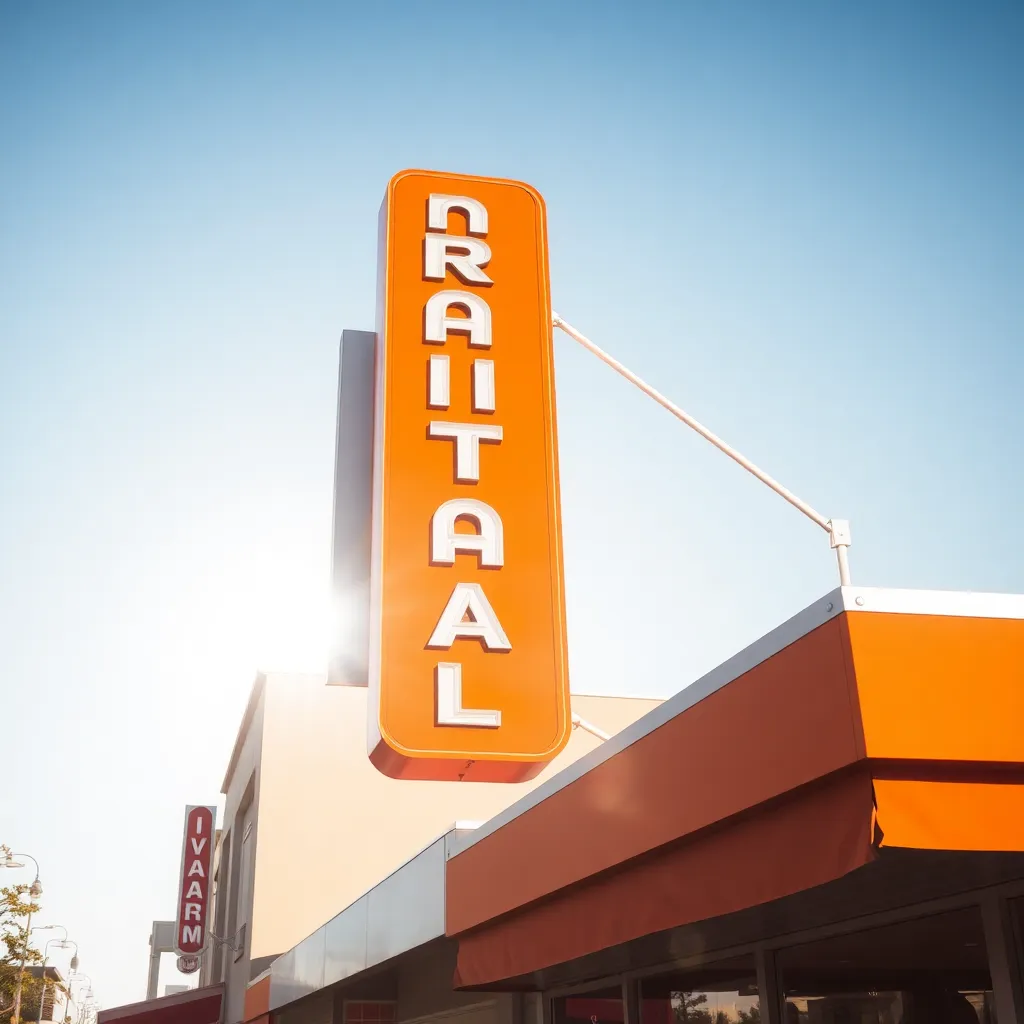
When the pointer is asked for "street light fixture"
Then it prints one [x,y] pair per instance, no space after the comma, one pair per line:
[11,861]
[87,991]
[67,944]
[35,890]
[84,996]
[87,1012]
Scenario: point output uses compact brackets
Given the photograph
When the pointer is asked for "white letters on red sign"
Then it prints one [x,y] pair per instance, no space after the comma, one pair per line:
[194,891]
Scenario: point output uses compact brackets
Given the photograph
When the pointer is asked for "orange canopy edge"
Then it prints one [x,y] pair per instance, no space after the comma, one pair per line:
[875,718]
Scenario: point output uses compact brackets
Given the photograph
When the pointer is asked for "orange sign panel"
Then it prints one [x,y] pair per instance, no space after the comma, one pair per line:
[468,671]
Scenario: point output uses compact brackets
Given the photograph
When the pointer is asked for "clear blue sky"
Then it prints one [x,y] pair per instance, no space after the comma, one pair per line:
[802,221]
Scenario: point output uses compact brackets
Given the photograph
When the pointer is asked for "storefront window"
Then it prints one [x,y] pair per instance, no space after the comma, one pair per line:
[601,1007]
[723,995]
[1017,915]
[931,970]
[373,1011]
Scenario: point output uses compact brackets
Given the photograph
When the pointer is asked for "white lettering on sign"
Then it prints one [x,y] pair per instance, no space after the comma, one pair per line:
[439,205]
[468,614]
[449,701]
[194,892]
[440,382]
[483,385]
[488,542]
[476,323]
[466,256]
[467,438]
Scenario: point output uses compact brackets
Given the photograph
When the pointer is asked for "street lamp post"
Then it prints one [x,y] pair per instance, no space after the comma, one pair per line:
[85,1014]
[85,993]
[62,944]
[35,891]
[72,974]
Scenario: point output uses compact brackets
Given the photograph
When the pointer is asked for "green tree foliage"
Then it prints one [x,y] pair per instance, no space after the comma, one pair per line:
[16,906]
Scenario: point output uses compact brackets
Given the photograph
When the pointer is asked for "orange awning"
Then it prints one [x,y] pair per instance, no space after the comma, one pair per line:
[950,815]
[875,719]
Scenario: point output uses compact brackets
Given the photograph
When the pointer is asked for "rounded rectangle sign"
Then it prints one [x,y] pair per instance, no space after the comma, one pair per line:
[194,892]
[468,670]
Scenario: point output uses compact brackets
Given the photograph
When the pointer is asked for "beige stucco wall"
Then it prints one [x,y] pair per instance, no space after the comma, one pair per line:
[219,963]
[330,826]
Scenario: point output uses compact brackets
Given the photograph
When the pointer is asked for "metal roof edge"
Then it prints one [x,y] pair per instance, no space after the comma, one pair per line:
[760,650]
[418,874]
[126,1010]
[842,599]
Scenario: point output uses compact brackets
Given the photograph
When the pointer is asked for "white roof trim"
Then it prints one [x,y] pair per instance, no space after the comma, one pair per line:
[963,603]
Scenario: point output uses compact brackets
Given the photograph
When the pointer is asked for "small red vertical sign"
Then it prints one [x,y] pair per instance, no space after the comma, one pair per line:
[195,889]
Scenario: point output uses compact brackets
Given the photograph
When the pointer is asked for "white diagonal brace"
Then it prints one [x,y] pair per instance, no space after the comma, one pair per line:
[838,529]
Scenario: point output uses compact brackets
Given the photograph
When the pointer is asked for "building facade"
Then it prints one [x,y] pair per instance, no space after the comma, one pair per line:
[826,829]
[58,1002]
[309,825]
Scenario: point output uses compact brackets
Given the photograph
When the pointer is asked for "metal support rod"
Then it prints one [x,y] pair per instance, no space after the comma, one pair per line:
[838,530]
[844,564]
[582,723]
[42,998]
[153,981]
[46,956]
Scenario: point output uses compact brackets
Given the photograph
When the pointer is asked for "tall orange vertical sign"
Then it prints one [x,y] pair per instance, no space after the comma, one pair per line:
[468,672]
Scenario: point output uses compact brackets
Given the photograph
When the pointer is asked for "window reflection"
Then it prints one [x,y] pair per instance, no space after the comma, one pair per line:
[930,970]
[925,1006]
[601,1007]
[719,996]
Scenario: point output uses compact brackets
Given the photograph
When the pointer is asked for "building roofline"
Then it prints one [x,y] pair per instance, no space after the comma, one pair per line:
[258,686]
[364,934]
[856,600]
[573,692]
[164,1002]
[52,973]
